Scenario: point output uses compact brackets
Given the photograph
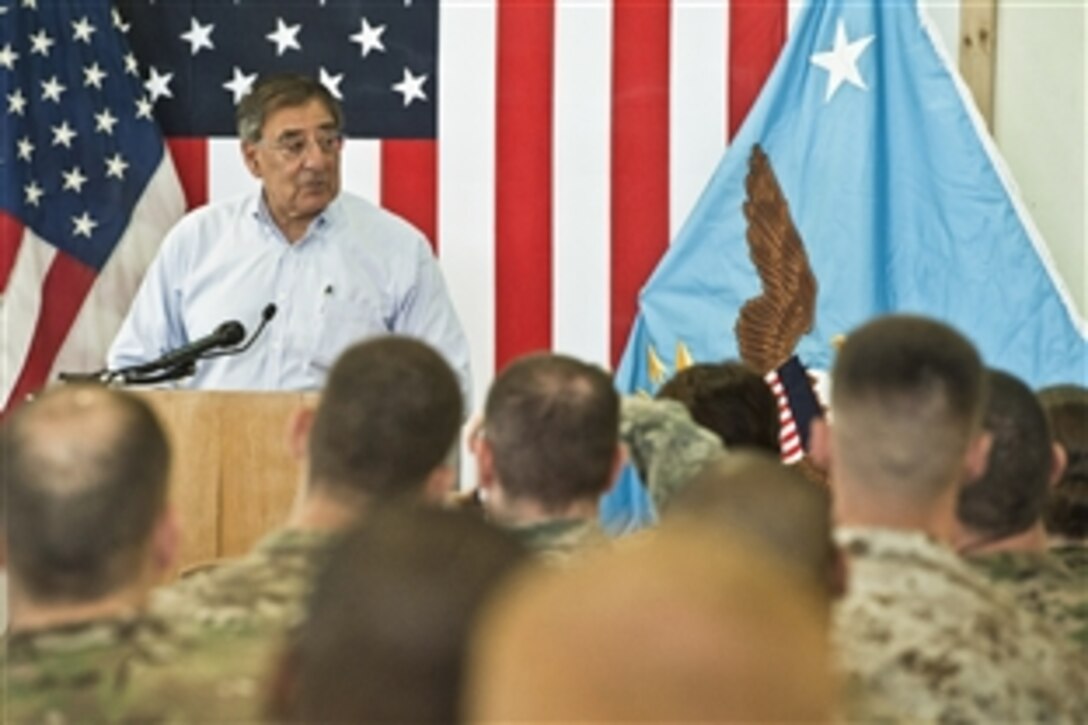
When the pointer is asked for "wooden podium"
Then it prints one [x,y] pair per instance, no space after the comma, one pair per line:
[232,474]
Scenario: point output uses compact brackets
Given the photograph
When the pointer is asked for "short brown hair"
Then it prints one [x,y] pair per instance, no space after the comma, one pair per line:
[553,425]
[281,90]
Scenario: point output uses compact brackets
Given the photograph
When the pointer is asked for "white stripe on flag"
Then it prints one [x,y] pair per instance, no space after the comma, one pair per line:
[466,175]
[697,103]
[581,181]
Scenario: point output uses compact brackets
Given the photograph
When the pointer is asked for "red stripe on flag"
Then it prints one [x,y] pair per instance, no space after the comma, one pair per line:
[757,30]
[64,288]
[409,183]
[191,161]
[640,155]
[11,237]
[523,178]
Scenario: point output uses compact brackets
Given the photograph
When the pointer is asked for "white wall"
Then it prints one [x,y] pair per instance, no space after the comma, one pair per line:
[1039,124]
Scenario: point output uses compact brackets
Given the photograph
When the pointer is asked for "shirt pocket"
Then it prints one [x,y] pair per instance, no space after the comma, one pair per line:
[343,322]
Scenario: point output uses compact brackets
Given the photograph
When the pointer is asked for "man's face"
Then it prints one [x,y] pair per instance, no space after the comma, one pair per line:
[297,160]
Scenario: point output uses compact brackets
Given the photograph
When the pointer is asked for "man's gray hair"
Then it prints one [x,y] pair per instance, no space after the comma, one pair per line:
[281,90]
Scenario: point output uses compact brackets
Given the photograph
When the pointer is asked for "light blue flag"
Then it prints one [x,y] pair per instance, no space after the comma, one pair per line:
[899,197]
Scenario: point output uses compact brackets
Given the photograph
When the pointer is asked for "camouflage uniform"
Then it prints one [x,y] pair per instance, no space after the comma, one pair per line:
[923,632]
[110,669]
[1075,558]
[263,590]
[668,448]
[1044,584]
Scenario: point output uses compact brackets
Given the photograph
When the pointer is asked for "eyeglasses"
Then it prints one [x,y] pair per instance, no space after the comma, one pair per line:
[292,147]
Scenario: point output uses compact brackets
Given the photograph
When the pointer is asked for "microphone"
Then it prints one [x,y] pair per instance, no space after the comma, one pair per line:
[229,333]
[267,314]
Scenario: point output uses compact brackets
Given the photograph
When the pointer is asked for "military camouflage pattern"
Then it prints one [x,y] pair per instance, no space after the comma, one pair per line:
[558,541]
[113,668]
[1075,558]
[668,448]
[930,637]
[1041,582]
[263,590]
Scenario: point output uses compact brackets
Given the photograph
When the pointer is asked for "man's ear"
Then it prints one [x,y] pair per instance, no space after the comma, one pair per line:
[486,477]
[299,426]
[249,155]
[977,458]
[439,484]
[819,443]
[1059,459]
[619,460]
[166,541]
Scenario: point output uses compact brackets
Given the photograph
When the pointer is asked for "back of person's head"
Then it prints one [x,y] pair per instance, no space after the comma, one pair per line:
[552,425]
[85,476]
[387,630]
[1009,497]
[1066,512]
[389,414]
[684,624]
[754,495]
[906,401]
[729,399]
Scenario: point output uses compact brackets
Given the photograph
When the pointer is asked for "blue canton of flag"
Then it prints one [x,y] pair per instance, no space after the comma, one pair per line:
[79,155]
[79,141]
[900,200]
[379,58]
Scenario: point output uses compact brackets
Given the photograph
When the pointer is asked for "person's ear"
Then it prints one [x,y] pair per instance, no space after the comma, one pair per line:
[252,161]
[1059,459]
[299,426]
[439,483]
[819,443]
[486,477]
[619,460]
[977,458]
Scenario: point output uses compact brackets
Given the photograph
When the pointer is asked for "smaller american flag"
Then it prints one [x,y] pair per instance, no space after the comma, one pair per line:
[79,150]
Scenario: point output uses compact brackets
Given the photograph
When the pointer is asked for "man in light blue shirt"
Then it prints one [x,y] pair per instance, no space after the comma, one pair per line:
[337,267]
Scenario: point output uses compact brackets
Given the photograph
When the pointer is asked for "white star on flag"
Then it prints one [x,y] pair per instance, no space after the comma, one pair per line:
[116,166]
[74,179]
[33,193]
[105,122]
[16,102]
[8,57]
[143,108]
[131,66]
[82,30]
[26,148]
[63,135]
[83,225]
[51,90]
[93,75]
[158,84]
[198,36]
[841,62]
[118,22]
[241,84]
[40,42]
[369,38]
[411,87]
[285,37]
[331,82]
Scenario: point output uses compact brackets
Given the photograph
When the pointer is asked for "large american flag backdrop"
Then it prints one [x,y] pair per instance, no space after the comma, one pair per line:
[548,148]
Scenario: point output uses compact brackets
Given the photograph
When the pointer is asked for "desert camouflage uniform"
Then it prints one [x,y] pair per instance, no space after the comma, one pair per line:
[1043,584]
[668,448]
[1075,557]
[930,637]
[112,669]
[264,590]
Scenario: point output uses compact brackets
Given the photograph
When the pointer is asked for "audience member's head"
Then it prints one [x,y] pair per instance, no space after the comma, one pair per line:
[730,399]
[906,403]
[550,436]
[85,517]
[684,624]
[754,495]
[386,635]
[387,422]
[1066,513]
[1008,499]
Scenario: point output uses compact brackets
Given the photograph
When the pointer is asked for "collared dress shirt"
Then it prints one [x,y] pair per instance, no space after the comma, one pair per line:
[359,271]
